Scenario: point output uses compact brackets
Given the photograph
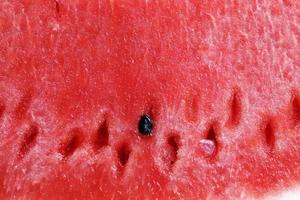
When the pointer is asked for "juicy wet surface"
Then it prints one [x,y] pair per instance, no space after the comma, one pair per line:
[219,78]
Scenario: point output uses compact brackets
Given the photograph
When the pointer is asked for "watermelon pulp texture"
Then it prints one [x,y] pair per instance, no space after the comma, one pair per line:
[219,79]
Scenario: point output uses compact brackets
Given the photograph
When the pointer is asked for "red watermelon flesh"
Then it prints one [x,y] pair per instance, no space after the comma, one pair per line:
[220,81]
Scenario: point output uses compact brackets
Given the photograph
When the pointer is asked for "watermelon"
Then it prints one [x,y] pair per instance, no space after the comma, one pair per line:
[149,99]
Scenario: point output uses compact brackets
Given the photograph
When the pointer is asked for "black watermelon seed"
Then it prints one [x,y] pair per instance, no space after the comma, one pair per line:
[145,125]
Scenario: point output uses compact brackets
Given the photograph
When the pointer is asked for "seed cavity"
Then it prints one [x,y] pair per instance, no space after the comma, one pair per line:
[70,144]
[145,125]
[235,109]
[29,140]
[57,7]
[2,109]
[296,109]
[123,154]
[102,136]
[269,132]
[173,147]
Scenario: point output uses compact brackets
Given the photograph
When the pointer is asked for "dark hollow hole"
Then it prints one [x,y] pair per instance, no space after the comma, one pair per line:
[236,108]
[102,136]
[2,109]
[57,7]
[123,154]
[174,147]
[71,144]
[296,109]
[211,135]
[29,140]
[269,135]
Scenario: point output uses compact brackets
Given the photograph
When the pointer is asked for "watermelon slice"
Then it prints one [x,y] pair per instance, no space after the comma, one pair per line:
[157,99]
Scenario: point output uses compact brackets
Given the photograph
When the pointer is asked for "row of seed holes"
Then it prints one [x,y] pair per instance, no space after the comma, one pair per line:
[210,143]
[235,116]
[101,138]
[71,143]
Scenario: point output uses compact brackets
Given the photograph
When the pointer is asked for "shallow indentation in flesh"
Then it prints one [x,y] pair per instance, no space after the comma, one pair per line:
[269,131]
[29,140]
[172,150]
[69,146]
[102,136]
[235,109]
[173,143]
[57,7]
[2,109]
[123,154]
[296,109]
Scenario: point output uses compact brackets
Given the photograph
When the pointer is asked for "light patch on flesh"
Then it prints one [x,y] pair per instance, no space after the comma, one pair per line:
[290,194]
[55,26]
